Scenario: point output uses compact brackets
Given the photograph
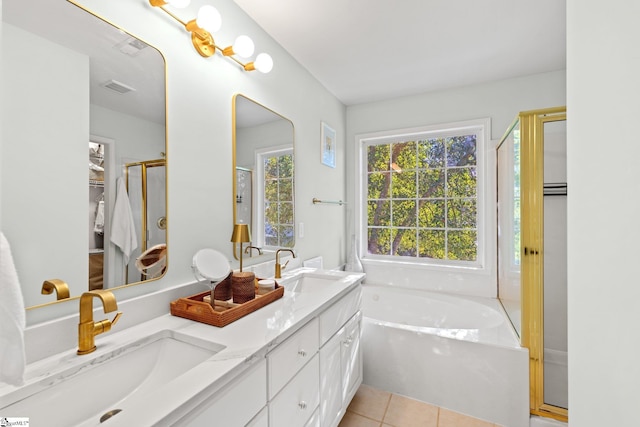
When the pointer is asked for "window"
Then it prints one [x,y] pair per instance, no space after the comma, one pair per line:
[421,195]
[275,175]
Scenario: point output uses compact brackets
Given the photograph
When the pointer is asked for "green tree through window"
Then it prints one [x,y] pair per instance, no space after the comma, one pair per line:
[422,197]
[278,200]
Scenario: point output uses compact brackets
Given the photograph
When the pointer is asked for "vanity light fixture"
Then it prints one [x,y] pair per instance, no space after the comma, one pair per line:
[241,234]
[208,21]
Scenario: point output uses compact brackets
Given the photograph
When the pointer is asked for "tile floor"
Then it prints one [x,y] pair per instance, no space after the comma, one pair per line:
[371,407]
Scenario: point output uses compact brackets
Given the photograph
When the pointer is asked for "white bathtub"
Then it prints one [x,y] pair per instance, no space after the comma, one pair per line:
[455,352]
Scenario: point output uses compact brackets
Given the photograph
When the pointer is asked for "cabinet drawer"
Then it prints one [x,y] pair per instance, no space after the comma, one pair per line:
[335,316]
[290,356]
[314,421]
[351,359]
[297,402]
[235,404]
[260,420]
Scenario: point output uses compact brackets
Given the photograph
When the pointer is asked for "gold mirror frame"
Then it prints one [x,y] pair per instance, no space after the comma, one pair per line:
[271,116]
[57,10]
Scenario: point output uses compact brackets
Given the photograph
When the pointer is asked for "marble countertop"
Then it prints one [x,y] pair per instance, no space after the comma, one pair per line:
[246,341]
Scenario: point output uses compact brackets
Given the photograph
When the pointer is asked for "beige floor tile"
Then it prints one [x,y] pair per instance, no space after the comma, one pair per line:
[351,419]
[405,412]
[370,402]
[454,419]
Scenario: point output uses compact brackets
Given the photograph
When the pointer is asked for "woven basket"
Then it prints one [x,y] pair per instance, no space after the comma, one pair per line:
[243,286]
[222,291]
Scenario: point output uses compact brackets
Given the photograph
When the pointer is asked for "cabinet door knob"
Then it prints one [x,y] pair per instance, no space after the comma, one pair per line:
[348,341]
[302,405]
[302,353]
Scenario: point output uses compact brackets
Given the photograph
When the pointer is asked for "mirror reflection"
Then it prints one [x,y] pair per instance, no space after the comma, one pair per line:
[83,151]
[264,176]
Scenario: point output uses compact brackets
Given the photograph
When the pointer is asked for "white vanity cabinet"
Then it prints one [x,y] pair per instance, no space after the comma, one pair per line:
[293,378]
[306,381]
[351,359]
[298,400]
[314,374]
[260,420]
[340,358]
[236,404]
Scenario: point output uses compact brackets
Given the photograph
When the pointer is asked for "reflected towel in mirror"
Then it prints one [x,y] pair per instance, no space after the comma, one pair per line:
[98,225]
[123,230]
[12,319]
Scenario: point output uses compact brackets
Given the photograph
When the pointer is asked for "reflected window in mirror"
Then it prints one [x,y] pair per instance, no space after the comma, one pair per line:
[244,196]
[275,227]
[263,160]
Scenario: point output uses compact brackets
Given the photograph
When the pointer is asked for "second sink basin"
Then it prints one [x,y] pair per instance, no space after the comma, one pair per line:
[95,388]
[310,281]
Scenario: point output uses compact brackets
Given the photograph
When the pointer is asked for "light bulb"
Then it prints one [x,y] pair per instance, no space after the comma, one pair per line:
[243,46]
[209,19]
[178,3]
[263,63]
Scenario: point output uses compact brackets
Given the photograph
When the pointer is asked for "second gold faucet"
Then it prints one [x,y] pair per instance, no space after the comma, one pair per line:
[279,267]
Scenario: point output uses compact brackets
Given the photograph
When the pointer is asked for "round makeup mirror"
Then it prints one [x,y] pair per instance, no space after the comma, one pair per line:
[209,264]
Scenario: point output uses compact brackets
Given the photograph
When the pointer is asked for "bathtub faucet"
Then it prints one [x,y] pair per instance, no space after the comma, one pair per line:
[279,267]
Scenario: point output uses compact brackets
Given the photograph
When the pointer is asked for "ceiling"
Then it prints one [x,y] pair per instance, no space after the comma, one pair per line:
[113,54]
[360,50]
[369,50]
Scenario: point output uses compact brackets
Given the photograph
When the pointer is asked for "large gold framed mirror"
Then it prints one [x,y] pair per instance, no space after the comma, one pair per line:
[82,100]
[263,181]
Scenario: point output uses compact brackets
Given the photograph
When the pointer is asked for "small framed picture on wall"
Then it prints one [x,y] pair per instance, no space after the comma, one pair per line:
[328,145]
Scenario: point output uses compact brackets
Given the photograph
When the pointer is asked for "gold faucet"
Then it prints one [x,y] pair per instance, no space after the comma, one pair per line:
[279,267]
[248,250]
[87,329]
[60,286]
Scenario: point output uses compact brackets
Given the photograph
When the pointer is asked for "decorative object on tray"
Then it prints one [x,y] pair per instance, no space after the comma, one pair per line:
[242,282]
[241,234]
[265,286]
[211,266]
[199,308]
[243,286]
[222,291]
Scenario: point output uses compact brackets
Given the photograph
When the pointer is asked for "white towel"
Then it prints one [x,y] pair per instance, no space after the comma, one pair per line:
[123,230]
[12,319]
[98,224]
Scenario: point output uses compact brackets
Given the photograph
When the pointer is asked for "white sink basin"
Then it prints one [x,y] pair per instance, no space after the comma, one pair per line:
[98,386]
[310,282]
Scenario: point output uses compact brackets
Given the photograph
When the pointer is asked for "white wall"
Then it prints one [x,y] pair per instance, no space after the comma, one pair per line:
[199,97]
[500,101]
[135,138]
[34,219]
[249,140]
[603,66]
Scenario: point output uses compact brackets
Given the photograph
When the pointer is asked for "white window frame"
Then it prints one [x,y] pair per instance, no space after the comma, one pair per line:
[258,214]
[482,128]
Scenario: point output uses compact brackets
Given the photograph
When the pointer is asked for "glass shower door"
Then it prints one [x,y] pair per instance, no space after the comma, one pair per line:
[532,254]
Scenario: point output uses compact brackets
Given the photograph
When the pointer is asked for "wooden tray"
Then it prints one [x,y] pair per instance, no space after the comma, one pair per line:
[195,308]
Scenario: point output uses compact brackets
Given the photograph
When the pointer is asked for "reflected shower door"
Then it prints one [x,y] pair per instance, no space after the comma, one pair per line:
[146,183]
